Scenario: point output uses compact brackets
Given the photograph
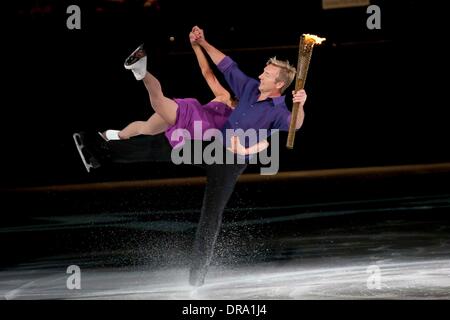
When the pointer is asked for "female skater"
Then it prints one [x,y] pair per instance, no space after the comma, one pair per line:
[173,114]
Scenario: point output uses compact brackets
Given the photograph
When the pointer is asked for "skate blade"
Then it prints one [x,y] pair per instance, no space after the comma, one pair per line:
[79,145]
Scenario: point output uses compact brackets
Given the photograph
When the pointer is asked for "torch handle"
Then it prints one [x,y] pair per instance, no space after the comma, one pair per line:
[304,58]
[299,84]
[305,49]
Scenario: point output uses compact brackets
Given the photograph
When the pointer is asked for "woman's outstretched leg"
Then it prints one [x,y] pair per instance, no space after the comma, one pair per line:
[165,107]
[154,125]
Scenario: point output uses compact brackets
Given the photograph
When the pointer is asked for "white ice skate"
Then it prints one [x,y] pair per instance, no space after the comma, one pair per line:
[137,62]
[109,135]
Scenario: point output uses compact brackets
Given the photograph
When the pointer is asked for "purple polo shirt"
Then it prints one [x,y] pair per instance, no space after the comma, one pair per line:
[250,113]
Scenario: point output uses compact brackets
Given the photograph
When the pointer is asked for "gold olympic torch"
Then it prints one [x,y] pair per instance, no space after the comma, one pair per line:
[307,42]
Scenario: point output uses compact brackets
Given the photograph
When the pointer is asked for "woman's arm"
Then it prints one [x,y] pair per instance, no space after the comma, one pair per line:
[236,79]
[215,86]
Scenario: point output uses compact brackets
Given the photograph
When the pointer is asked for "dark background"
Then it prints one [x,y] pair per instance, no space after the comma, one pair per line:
[375,97]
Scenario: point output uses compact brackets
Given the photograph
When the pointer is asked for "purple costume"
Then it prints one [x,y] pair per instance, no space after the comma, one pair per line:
[212,115]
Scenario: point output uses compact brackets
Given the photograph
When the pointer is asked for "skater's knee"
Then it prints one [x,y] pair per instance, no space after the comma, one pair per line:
[157,100]
[145,130]
[148,129]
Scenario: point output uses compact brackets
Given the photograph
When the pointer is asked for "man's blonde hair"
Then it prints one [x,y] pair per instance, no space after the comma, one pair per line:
[287,72]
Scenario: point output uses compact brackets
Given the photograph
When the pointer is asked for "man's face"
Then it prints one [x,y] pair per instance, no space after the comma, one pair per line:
[268,78]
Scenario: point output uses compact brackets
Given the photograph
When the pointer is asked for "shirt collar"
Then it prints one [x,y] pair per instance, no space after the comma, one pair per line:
[278,100]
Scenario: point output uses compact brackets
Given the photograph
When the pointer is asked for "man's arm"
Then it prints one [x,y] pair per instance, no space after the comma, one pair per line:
[240,149]
[299,97]
[300,118]
[236,79]
[215,86]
